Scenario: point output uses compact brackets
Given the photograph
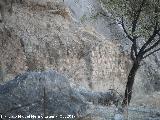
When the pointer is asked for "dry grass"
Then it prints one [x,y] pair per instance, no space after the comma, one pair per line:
[38,8]
[58,11]
[62,12]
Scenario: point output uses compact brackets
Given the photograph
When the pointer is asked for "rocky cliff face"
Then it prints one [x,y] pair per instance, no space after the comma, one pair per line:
[76,38]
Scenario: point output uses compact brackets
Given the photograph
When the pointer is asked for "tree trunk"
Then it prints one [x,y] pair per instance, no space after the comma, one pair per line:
[129,86]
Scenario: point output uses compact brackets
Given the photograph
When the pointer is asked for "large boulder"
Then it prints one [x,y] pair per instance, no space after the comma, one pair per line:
[41,94]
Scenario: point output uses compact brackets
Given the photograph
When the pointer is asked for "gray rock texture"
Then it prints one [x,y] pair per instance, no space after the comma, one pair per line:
[41,94]
[35,95]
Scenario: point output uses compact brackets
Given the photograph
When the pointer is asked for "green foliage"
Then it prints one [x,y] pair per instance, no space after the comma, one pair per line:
[127,9]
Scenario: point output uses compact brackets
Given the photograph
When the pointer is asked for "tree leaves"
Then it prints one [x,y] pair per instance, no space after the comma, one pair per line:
[128,9]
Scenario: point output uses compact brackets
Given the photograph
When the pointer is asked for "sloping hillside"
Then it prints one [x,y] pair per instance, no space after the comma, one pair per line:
[41,35]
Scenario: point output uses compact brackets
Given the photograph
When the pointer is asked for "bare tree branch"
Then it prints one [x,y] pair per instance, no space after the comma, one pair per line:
[136,17]
[135,45]
[44,103]
[155,32]
[124,29]
[151,53]
[132,53]
[153,46]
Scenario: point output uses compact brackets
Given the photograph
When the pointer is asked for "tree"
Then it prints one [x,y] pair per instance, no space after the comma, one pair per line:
[140,20]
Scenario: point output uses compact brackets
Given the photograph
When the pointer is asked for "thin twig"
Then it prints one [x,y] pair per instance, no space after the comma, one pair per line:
[124,29]
[153,46]
[44,103]
[136,17]
[151,53]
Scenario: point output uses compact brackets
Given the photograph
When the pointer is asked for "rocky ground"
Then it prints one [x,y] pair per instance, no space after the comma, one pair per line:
[54,96]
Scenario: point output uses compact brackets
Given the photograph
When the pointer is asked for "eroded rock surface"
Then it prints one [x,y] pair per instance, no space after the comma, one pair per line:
[48,93]
[45,94]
